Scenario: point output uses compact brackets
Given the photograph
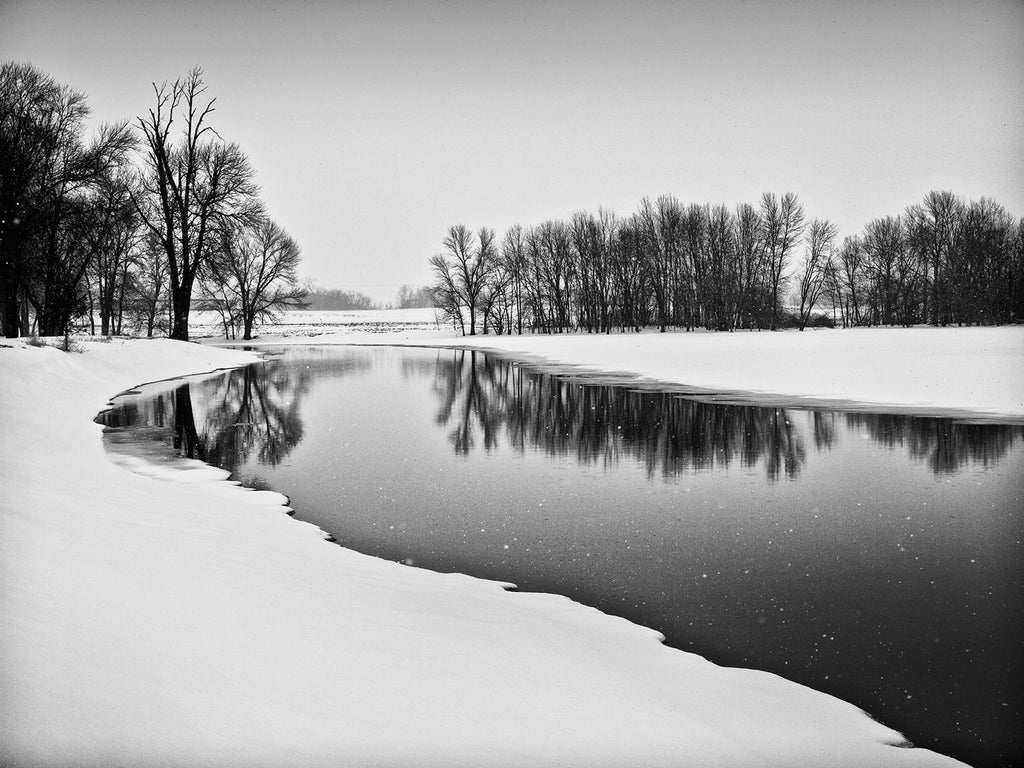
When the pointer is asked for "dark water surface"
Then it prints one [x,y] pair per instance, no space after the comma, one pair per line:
[875,557]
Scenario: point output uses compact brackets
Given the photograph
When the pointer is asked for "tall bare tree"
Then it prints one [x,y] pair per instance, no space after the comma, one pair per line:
[462,273]
[196,184]
[816,266]
[662,226]
[783,220]
[116,248]
[885,244]
[932,229]
[750,256]
[851,269]
[513,259]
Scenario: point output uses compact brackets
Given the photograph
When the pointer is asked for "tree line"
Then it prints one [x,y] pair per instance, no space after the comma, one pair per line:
[943,261]
[136,225]
[336,299]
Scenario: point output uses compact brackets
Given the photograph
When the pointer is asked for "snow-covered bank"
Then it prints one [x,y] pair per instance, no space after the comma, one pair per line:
[150,621]
[956,371]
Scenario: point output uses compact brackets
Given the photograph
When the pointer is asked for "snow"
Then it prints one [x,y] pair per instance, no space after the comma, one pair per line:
[172,618]
[966,372]
[936,370]
[311,323]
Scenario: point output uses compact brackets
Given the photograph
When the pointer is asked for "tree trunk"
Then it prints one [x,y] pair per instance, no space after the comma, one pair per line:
[11,314]
[181,298]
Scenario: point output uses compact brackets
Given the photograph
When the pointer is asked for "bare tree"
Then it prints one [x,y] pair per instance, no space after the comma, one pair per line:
[75,220]
[513,260]
[551,251]
[783,221]
[662,227]
[447,296]
[931,230]
[219,294]
[116,248]
[750,257]
[630,277]
[255,267]
[723,274]
[980,269]
[816,266]
[496,300]
[195,186]
[48,203]
[148,302]
[38,116]
[851,278]
[884,245]
[462,273]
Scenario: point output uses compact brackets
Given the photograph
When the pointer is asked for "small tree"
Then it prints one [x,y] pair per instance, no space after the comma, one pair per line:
[254,273]
[147,301]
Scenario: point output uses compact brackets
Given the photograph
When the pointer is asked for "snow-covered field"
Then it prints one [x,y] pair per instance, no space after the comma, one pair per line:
[172,618]
[310,324]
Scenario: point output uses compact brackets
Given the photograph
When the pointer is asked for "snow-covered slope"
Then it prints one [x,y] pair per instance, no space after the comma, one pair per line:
[177,619]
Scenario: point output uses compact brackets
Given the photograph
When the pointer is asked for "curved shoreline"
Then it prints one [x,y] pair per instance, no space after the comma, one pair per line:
[127,596]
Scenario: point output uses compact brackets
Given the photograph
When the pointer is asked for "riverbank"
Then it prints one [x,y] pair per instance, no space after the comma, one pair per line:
[176,619]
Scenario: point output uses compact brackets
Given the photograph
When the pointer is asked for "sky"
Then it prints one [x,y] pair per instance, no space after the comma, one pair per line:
[374,126]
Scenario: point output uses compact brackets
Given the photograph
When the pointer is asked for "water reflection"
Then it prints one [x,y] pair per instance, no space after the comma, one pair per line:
[246,413]
[944,444]
[252,411]
[487,397]
[483,400]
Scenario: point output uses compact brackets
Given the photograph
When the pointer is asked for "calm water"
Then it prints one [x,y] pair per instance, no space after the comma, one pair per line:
[875,557]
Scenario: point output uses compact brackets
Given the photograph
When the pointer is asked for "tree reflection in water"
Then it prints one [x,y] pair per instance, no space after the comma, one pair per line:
[484,401]
[483,398]
[251,411]
[945,445]
[224,420]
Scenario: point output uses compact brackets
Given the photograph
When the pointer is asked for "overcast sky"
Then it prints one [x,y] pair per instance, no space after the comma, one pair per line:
[373,126]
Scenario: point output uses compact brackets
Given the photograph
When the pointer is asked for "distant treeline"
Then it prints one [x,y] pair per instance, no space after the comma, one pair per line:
[410,297]
[943,261]
[335,299]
